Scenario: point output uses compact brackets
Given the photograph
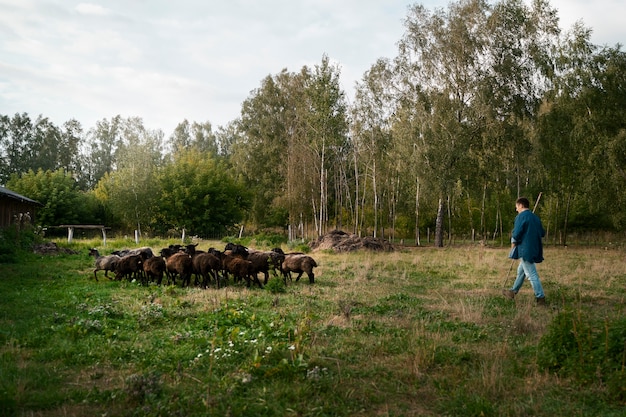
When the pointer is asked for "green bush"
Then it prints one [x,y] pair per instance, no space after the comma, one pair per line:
[270,239]
[276,285]
[299,247]
[586,349]
[245,241]
[13,241]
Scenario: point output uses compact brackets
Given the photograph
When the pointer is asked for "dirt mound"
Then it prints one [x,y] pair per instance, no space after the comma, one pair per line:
[340,241]
[51,248]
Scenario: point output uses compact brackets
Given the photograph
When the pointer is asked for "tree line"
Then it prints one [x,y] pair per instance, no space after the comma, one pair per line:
[482,103]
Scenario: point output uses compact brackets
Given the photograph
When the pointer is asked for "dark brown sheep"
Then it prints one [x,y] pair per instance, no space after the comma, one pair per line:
[129,266]
[103,263]
[298,263]
[191,249]
[236,249]
[145,252]
[206,265]
[179,264]
[170,250]
[154,269]
[240,268]
[264,261]
[220,256]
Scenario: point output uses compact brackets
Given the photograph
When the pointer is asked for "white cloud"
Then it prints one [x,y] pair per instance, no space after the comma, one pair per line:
[167,61]
[92,9]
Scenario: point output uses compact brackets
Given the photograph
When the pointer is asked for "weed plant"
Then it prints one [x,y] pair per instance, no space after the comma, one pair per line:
[417,332]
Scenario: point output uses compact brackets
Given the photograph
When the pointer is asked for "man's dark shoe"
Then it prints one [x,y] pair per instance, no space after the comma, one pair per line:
[541,301]
[510,294]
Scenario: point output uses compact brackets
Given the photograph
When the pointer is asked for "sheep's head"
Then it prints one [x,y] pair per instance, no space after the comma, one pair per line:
[191,249]
[237,249]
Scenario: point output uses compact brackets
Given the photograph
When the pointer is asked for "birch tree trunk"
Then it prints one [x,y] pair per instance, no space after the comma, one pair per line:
[439,224]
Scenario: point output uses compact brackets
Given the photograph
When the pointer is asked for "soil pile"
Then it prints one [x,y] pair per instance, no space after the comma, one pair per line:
[340,241]
[51,248]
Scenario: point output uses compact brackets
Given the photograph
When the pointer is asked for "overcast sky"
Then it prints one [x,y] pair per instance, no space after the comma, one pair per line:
[166,61]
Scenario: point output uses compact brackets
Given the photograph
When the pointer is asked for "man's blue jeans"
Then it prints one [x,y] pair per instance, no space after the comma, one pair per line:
[528,269]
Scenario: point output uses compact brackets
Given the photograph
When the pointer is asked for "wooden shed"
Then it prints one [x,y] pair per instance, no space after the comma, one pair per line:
[16,209]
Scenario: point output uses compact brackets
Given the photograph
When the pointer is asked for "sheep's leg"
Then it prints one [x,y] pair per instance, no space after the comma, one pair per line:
[217,279]
[207,279]
[311,277]
[95,275]
[299,275]
[258,281]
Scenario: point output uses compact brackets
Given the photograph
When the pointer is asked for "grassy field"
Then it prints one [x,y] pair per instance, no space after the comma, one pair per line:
[417,332]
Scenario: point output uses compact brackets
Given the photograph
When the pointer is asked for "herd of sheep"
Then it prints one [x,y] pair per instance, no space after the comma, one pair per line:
[211,266]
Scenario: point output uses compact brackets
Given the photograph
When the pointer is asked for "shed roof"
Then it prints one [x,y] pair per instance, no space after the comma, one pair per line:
[11,194]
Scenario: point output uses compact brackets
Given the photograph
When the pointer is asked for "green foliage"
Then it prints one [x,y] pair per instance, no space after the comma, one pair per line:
[298,246]
[144,388]
[13,242]
[579,345]
[27,145]
[487,100]
[198,193]
[129,194]
[260,344]
[63,202]
[269,239]
[276,285]
[244,240]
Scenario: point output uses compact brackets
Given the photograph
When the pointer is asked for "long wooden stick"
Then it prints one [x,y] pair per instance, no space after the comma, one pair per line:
[537,202]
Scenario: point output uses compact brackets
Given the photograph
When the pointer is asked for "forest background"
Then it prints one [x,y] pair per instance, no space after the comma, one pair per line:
[483,103]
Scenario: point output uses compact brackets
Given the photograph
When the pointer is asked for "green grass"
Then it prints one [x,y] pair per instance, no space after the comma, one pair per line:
[418,332]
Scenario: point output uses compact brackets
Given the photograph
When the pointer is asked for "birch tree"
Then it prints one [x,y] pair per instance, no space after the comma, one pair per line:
[371,137]
[439,55]
[130,192]
[326,133]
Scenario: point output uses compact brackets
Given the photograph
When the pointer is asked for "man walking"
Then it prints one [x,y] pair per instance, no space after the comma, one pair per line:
[528,247]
